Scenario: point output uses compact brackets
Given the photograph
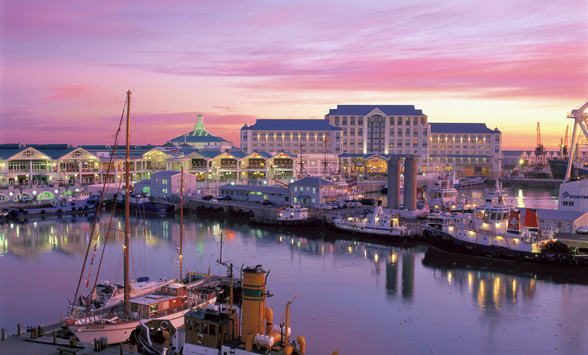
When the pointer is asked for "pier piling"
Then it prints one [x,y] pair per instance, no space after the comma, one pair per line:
[3,334]
[18,329]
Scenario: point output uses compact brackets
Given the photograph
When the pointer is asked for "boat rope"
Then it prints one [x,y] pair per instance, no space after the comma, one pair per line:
[114,147]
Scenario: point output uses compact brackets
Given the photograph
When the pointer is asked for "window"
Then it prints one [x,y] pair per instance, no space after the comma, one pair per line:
[336,121]
[391,121]
[344,120]
[352,121]
[399,121]
[360,121]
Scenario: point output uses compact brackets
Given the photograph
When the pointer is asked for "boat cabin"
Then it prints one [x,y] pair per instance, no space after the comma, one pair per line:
[295,212]
[210,327]
[168,298]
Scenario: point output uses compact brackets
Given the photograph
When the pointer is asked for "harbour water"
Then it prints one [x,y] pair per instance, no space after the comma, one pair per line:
[357,297]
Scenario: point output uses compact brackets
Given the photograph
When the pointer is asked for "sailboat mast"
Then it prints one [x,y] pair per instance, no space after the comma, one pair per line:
[127,294]
[181,220]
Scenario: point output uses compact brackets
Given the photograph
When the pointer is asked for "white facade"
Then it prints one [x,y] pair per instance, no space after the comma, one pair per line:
[377,132]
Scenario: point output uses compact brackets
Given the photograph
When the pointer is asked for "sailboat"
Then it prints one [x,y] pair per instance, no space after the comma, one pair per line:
[168,304]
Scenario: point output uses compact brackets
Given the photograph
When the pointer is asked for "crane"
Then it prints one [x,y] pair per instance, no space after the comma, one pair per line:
[580,117]
[539,150]
[564,147]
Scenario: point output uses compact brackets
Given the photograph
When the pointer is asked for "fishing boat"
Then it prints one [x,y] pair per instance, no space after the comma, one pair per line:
[377,222]
[218,330]
[494,231]
[295,216]
[169,303]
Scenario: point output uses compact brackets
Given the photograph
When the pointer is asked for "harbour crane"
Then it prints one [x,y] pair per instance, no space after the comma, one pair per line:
[539,150]
[563,151]
[580,117]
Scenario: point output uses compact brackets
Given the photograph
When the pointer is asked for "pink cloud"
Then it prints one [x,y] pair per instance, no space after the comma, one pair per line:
[71,92]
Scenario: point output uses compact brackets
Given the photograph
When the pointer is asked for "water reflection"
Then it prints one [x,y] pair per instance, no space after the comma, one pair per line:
[351,288]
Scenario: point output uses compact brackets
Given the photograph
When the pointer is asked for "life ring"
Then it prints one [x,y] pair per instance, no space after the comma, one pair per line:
[519,258]
[164,325]
[184,299]
[25,212]
[85,207]
[42,211]
[73,208]
[496,253]
[200,339]
[574,262]
[59,210]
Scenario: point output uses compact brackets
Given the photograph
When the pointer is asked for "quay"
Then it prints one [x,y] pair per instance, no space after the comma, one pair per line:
[533,182]
[45,340]
[257,213]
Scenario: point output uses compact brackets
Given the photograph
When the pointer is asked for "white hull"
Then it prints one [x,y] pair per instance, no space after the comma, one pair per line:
[118,332]
[392,232]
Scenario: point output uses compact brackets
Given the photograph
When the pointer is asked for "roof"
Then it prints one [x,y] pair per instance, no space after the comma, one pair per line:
[166,173]
[312,181]
[362,110]
[263,189]
[461,128]
[291,125]
[206,138]
[543,213]
[458,156]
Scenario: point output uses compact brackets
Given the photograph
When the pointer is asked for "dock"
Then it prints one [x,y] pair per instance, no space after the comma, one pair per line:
[45,340]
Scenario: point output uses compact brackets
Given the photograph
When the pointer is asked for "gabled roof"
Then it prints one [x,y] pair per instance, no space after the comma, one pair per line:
[9,150]
[362,110]
[209,153]
[291,125]
[461,128]
[264,155]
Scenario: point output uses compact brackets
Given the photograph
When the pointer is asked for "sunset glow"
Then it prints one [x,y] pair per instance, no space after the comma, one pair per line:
[66,65]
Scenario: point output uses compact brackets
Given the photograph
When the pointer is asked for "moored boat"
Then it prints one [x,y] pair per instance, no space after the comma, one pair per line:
[378,222]
[142,203]
[61,207]
[494,231]
[443,196]
[215,330]
[294,216]
[169,303]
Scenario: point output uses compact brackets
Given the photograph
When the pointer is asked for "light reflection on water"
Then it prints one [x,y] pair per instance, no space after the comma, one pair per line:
[356,297]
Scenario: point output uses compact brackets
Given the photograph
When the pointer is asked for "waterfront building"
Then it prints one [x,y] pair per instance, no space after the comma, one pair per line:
[46,164]
[296,136]
[560,221]
[465,148]
[383,129]
[272,194]
[168,185]
[199,138]
[314,191]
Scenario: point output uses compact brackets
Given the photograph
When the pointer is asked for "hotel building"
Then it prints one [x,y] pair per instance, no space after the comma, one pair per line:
[382,129]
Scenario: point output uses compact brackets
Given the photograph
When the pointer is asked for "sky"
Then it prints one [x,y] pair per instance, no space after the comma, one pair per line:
[65,66]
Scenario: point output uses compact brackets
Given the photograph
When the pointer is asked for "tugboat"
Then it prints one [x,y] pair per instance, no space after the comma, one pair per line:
[377,222]
[295,216]
[443,197]
[214,330]
[494,231]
